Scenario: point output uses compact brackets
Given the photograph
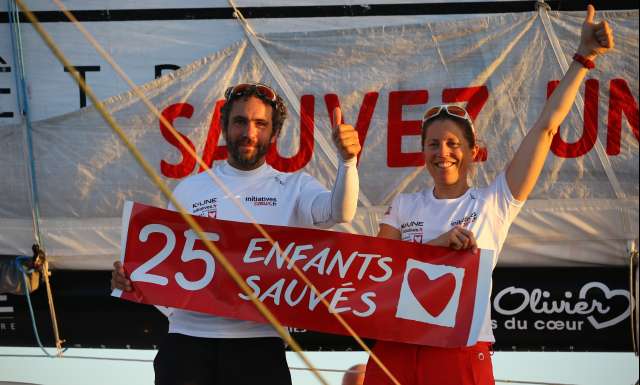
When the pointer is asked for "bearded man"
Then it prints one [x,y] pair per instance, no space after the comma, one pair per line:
[204,349]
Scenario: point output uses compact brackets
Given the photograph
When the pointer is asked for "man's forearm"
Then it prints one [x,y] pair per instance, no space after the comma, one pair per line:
[338,205]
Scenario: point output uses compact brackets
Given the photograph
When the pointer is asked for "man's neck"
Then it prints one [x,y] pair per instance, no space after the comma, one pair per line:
[240,167]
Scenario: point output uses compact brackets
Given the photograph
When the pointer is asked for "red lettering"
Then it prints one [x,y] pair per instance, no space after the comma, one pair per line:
[397,128]
[211,150]
[590,130]
[185,167]
[475,97]
[305,148]
[364,116]
[621,100]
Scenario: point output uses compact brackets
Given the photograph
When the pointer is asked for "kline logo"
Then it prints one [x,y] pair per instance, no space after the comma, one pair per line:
[430,293]
[206,208]
[412,224]
[412,231]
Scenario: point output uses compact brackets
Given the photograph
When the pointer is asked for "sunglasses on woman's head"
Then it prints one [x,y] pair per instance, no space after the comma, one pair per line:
[262,90]
[451,110]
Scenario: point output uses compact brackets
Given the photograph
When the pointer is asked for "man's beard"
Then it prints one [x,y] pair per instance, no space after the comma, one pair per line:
[261,150]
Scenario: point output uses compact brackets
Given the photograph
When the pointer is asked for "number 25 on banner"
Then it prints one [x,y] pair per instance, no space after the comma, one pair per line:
[141,274]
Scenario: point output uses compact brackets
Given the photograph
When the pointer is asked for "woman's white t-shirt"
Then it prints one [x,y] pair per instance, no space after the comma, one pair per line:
[487,212]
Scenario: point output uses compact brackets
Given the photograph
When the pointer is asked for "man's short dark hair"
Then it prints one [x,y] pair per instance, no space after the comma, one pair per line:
[278,115]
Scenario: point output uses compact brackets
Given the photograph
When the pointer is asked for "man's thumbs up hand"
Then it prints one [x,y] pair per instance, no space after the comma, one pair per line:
[345,137]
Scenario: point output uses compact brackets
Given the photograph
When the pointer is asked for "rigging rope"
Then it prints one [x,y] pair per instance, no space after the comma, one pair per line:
[216,180]
[27,289]
[52,308]
[633,294]
[25,112]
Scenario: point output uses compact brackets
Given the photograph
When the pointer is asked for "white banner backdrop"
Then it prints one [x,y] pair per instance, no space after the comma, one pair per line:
[584,208]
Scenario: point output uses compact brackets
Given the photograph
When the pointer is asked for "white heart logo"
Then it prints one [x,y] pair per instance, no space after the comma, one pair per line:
[419,306]
[608,294]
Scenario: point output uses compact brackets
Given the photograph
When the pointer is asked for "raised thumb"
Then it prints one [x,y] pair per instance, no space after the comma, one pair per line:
[336,118]
[591,12]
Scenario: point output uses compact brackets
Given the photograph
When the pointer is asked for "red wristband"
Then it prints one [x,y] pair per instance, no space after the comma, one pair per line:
[586,63]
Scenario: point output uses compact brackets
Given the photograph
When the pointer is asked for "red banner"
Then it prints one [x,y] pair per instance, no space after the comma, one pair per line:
[387,290]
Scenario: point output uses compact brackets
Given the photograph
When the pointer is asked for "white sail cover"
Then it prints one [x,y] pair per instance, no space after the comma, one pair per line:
[584,209]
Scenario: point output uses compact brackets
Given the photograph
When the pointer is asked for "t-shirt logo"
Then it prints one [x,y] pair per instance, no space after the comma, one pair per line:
[412,231]
[205,208]
[430,293]
[262,201]
[466,220]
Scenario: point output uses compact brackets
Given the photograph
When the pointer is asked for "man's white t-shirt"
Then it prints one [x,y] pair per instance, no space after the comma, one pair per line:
[272,198]
[487,212]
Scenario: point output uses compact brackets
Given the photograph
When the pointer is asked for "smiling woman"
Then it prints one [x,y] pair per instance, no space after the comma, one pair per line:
[449,146]
[448,157]
[459,216]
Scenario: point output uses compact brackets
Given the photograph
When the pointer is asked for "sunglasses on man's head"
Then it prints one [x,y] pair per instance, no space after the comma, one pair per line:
[451,110]
[262,90]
